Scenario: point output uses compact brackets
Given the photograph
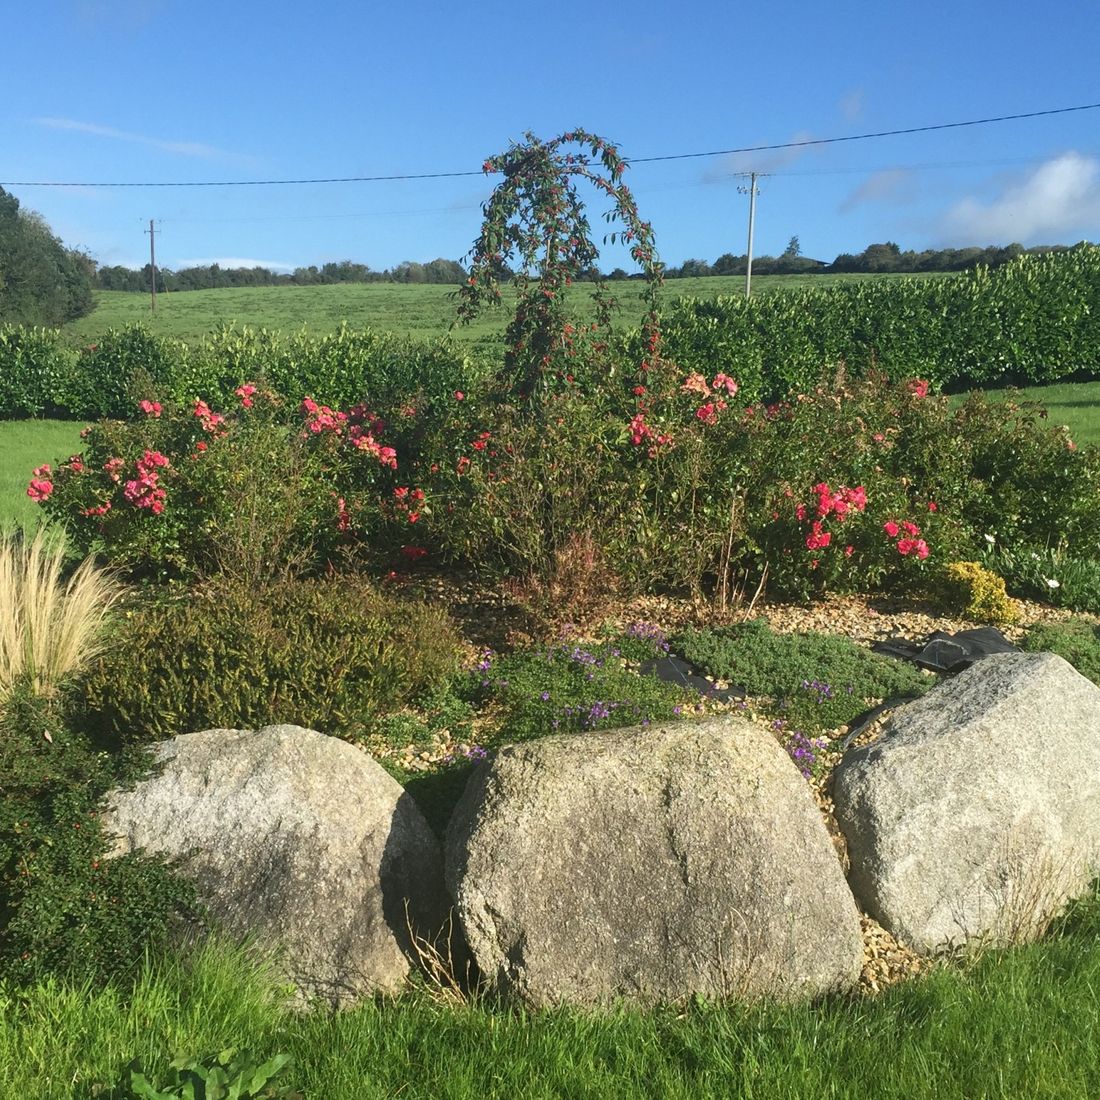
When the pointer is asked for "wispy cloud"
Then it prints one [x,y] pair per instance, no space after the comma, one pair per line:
[235,261]
[851,104]
[893,185]
[765,161]
[182,148]
[126,13]
[1061,196]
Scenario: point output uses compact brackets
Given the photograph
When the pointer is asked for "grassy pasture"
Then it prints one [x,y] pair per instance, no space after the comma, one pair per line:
[25,444]
[421,311]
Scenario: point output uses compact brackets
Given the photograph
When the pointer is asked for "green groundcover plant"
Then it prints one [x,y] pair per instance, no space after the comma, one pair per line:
[818,681]
[1077,640]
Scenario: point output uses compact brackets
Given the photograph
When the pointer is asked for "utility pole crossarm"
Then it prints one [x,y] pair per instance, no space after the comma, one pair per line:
[753,191]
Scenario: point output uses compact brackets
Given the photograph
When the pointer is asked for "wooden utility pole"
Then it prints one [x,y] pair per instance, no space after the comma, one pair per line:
[152,265]
[752,191]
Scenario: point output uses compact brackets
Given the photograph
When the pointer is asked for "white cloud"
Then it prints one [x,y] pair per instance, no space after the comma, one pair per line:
[890,185]
[1059,197]
[763,162]
[851,104]
[235,261]
[183,148]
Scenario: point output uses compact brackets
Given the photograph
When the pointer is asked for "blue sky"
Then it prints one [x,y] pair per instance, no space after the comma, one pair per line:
[140,91]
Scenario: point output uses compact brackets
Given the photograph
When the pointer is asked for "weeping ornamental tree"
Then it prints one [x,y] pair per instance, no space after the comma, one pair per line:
[535,226]
[560,444]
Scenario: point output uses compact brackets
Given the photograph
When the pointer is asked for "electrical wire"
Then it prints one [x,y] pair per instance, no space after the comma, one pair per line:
[809,142]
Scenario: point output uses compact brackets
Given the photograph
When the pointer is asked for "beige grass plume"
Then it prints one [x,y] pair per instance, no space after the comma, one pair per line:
[48,628]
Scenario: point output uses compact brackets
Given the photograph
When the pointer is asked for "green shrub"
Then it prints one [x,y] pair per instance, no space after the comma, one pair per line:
[1029,321]
[33,367]
[1050,576]
[570,689]
[188,492]
[969,588]
[819,681]
[65,908]
[328,654]
[1076,640]
[113,374]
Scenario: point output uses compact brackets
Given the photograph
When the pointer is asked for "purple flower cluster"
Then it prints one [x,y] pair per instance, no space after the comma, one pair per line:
[651,633]
[819,688]
[473,753]
[804,750]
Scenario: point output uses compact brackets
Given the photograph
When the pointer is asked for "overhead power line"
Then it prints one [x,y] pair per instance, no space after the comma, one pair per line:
[629,160]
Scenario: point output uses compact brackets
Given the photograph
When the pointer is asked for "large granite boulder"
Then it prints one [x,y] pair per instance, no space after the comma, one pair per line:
[300,841]
[651,864]
[976,815]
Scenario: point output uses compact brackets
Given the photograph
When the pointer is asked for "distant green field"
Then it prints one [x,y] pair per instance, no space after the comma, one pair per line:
[1075,404]
[418,310]
[25,444]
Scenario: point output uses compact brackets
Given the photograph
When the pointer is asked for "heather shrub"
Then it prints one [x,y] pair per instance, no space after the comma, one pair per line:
[818,681]
[328,654]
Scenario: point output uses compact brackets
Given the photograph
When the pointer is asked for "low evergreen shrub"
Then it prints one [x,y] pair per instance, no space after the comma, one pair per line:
[328,654]
[969,588]
[818,681]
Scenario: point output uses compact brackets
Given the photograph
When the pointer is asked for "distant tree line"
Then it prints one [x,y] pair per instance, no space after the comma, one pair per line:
[41,281]
[874,259]
[213,276]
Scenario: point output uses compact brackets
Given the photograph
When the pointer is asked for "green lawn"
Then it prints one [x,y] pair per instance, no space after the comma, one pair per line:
[25,444]
[415,310]
[1022,1023]
[1075,404]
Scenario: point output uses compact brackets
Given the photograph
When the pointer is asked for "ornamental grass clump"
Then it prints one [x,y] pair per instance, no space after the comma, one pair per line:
[50,627]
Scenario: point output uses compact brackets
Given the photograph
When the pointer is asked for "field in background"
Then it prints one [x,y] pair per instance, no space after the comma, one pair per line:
[418,310]
[25,444]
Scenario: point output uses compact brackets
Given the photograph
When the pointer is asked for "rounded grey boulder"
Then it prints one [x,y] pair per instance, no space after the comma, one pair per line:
[976,815]
[299,840]
[650,863]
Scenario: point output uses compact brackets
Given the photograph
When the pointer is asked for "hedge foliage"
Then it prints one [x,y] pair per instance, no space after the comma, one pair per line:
[1034,320]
